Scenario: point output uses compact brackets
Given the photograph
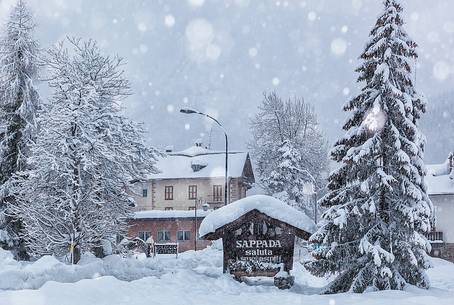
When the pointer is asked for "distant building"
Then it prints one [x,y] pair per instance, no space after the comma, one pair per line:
[188,180]
[194,173]
[440,183]
[174,226]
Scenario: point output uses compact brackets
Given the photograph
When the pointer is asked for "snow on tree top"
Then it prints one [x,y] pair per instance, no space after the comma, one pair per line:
[267,205]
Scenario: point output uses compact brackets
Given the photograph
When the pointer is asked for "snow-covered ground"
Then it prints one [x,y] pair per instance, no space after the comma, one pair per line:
[193,278]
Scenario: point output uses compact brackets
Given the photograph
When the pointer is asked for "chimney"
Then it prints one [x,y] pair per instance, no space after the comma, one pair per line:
[169,149]
[198,143]
[451,164]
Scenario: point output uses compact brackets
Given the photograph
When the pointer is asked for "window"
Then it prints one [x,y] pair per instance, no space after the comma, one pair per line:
[144,193]
[168,192]
[183,235]
[191,208]
[168,208]
[192,192]
[217,193]
[144,235]
[163,235]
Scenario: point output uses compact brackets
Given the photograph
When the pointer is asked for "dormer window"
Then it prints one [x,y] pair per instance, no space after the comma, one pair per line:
[198,164]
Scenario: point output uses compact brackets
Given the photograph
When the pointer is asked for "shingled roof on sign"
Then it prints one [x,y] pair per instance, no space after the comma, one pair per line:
[267,205]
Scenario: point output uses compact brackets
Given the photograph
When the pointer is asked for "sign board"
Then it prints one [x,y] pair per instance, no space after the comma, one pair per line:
[168,248]
[258,234]
[258,248]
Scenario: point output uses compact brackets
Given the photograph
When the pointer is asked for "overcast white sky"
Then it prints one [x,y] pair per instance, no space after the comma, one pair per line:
[220,56]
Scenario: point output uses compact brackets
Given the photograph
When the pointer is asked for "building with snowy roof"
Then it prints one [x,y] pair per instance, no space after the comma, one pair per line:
[171,204]
[196,173]
[440,187]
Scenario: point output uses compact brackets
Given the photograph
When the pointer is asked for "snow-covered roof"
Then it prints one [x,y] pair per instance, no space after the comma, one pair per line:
[267,205]
[210,164]
[439,179]
[160,214]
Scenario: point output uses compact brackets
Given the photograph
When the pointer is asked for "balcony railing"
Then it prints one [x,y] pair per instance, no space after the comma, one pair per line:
[435,236]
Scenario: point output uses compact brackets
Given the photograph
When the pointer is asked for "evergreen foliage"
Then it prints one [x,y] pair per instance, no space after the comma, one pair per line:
[19,103]
[378,208]
[289,149]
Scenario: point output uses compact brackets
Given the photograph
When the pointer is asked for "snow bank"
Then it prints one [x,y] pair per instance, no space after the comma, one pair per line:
[197,278]
[268,205]
[31,275]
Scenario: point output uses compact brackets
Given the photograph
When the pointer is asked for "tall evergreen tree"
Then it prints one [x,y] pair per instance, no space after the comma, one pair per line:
[288,179]
[74,196]
[378,208]
[19,102]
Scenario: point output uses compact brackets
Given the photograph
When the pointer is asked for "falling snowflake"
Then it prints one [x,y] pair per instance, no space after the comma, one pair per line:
[200,39]
[196,3]
[142,27]
[143,48]
[441,70]
[169,21]
[338,46]
[253,52]
[170,108]
[312,16]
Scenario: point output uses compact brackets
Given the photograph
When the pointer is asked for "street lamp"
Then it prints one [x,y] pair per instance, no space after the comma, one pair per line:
[192,111]
[205,208]
[309,189]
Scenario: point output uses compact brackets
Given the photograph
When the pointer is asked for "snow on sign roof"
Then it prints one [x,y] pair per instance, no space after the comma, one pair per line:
[160,214]
[267,205]
[439,179]
[181,164]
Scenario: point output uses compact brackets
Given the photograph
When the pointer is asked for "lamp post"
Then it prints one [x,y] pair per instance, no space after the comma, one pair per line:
[205,208]
[309,189]
[192,111]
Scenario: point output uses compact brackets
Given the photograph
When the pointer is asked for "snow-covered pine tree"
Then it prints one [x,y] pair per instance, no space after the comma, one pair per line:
[378,206]
[292,123]
[75,197]
[288,179]
[19,102]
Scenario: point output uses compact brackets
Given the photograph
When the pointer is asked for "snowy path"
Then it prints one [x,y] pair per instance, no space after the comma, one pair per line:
[198,279]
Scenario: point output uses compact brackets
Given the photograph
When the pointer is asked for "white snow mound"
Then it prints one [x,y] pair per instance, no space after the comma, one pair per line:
[268,205]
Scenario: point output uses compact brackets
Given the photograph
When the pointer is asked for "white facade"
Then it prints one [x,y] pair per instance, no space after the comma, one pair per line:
[194,176]
[440,187]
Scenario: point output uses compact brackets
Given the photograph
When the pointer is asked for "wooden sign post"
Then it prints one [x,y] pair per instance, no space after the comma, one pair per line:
[256,244]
